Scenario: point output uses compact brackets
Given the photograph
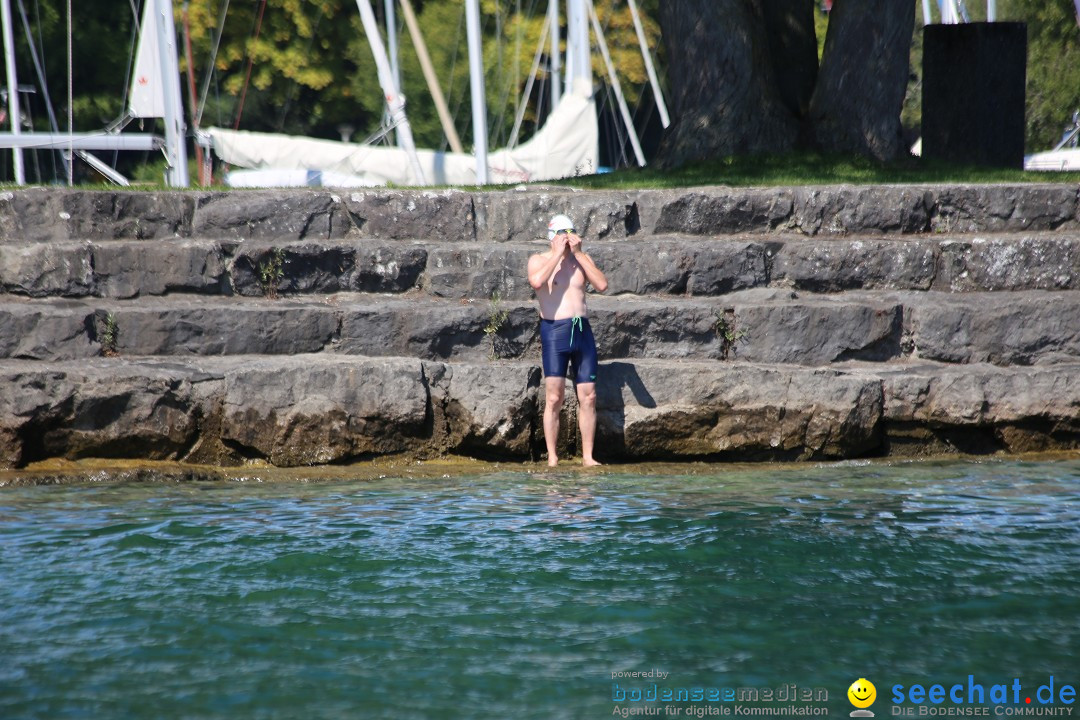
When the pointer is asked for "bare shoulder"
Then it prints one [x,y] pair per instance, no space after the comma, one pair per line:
[537,259]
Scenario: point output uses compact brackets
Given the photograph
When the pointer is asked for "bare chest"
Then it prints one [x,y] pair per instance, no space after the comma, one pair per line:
[568,275]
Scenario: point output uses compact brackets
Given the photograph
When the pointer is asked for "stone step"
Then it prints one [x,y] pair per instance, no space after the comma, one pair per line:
[520,215]
[130,268]
[683,265]
[658,265]
[315,409]
[761,325]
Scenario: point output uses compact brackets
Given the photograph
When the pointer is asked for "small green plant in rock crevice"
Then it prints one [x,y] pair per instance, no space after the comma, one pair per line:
[727,331]
[271,272]
[109,335]
[497,317]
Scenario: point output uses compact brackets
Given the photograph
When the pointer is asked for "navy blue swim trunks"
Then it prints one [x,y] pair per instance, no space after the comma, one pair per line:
[568,342]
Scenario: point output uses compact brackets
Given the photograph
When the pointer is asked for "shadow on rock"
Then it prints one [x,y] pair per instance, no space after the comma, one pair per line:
[616,379]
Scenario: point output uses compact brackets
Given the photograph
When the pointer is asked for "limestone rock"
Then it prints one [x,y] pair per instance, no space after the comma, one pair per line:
[307,410]
[673,266]
[490,410]
[835,265]
[841,210]
[48,214]
[105,409]
[128,269]
[340,266]
[437,216]
[1004,208]
[685,410]
[762,323]
[725,211]
[192,328]
[662,266]
[1020,328]
[270,215]
[522,217]
[981,408]
[757,326]
[382,268]
[480,271]
[32,400]
[441,332]
[47,269]
[1033,262]
[54,333]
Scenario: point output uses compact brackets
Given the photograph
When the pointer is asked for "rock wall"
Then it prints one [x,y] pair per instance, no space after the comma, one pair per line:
[787,323]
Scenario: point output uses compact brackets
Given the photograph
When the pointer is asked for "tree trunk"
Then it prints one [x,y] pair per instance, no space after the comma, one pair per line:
[864,70]
[789,27]
[724,91]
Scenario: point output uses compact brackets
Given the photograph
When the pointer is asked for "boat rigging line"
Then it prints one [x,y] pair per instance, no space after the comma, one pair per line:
[211,66]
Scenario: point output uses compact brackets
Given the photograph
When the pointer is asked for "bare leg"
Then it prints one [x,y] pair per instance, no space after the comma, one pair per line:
[554,387]
[586,393]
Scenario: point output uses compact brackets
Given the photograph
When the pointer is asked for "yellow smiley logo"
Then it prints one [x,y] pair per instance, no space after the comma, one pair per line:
[862,693]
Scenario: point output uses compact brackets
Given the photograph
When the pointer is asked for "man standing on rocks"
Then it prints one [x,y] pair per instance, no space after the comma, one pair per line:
[566,339]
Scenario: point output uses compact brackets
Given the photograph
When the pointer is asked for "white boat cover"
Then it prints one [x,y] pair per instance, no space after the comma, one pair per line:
[567,145]
[1054,160]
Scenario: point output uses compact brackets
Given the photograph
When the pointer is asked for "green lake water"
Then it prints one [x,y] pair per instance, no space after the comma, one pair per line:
[517,594]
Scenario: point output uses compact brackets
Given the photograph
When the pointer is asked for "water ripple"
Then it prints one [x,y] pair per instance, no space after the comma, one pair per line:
[514,594]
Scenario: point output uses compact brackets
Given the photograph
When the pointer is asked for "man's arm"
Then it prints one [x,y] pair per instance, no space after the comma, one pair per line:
[593,274]
[541,268]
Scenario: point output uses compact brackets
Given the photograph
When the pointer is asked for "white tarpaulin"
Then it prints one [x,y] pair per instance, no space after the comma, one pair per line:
[567,145]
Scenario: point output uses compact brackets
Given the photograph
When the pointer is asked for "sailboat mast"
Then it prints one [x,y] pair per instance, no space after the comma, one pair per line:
[13,89]
[390,90]
[578,64]
[661,106]
[554,55]
[949,13]
[392,48]
[476,79]
[613,78]
[169,64]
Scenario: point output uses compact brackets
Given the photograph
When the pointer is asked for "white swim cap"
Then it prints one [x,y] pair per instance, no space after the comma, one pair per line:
[557,223]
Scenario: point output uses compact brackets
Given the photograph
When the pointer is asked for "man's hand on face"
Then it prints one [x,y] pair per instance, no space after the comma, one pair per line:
[574,241]
[559,244]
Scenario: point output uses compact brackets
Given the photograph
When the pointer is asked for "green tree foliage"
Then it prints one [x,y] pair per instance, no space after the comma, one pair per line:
[99,57]
[1053,77]
[312,67]
[295,53]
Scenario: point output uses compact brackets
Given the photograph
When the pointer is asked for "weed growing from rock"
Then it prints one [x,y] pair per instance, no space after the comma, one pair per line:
[726,330]
[271,272]
[110,335]
[497,317]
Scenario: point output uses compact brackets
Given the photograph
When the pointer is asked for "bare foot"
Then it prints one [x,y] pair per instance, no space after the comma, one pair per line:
[589,462]
[553,461]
